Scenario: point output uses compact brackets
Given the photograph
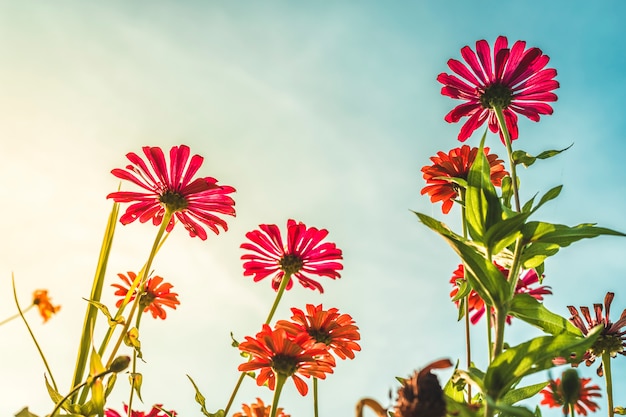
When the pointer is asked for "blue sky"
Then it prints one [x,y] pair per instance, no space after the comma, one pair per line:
[324,113]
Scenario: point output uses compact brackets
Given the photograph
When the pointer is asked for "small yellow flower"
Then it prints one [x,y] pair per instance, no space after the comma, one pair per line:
[42,301]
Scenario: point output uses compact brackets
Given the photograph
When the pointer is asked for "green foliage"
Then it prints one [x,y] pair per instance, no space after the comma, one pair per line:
[528,309]
[202,401]
[482,205]
[508,368]
[484,277]
[521,157]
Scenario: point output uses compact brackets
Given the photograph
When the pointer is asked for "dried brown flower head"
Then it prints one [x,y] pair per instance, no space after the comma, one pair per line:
[421,394]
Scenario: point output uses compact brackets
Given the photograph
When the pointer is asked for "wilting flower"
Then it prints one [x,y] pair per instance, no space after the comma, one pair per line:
[154,296]
[154,412]
[612,340]
[337,331]
[303,254]
[476,304]
[571,391]
[274,353]
[514,80]
[421,395]
[194,202]
[259,410]
[44,304]
[456,164]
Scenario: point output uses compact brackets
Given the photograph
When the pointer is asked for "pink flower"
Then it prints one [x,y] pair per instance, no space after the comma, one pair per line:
[513,79]
[194,202]
[304,253]
[476,304]
[154,412]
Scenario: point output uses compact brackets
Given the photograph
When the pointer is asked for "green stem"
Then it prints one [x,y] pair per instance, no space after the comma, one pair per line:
[139,280]
[13,317]
[489,327]
[279,294]
[32,335]
[468,347]
[606,364]
[125,302]
[280,381]
[146,270]
[509,150]
[91,313]
[315,405]
[498,342]
[74,390]
[134,371]
[242,375]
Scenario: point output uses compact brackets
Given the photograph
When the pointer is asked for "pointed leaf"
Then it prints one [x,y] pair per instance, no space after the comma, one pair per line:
[136,379]
[536,355]
[104,309]
[202,401]
[528,309]
[519,394]
[25,413]
[484,277]
[521,157]
[482,206]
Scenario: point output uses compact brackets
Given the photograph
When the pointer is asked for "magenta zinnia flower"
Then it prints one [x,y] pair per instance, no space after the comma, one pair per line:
[513,79]
[304,253]
[154,412]
[194,202]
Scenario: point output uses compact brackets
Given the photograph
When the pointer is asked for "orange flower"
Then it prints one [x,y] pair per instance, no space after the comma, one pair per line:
[336,331]
[571,391]
[44,304]
[456,164]
[259,410]
[154,297]
[274,352]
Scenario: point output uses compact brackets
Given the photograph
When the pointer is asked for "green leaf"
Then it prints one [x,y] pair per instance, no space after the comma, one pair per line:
[54,395]
[534,255]
[521,157]
[563,235]
[519,394]
[25,413]
[202,401]
[484,277]
[505,232]
[536,355]
[461,409]
[510,410]
[131,338]
[455,387]
[105,310]
[136,379]
[482,205]
[528,309]
[110,384]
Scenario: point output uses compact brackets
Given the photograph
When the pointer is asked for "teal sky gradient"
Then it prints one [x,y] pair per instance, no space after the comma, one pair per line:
[321,112]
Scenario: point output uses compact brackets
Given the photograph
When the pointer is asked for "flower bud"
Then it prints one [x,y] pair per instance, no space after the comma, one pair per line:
[119,364]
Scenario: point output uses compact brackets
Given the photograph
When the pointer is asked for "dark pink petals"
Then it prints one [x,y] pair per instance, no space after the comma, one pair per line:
[197,200]
[520,70]
[304,246]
